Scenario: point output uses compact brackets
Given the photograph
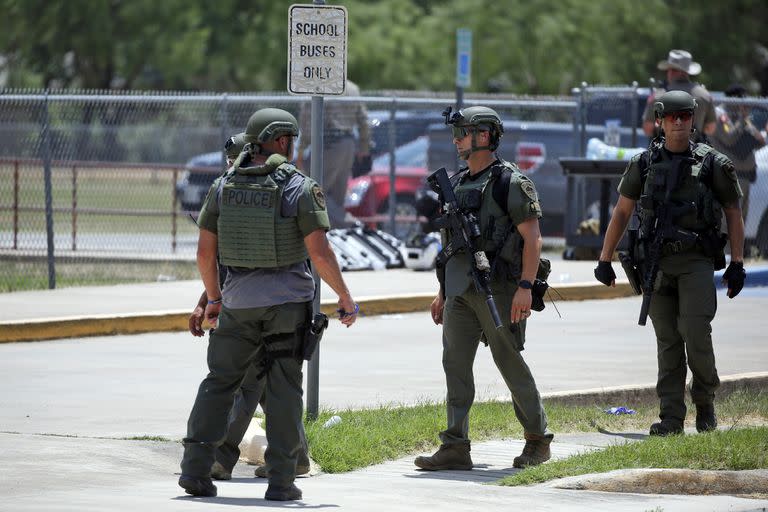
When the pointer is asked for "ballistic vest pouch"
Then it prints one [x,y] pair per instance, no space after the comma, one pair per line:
[312,335]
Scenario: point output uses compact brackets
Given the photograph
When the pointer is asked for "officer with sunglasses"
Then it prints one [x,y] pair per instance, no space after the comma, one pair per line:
[508,223]
[700,184]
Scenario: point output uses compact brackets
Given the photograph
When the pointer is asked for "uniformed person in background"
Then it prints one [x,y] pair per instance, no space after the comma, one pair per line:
[738,138]
[265,221]
[511,238]
[684,302]
[251,391]
[679,68]
[346,140]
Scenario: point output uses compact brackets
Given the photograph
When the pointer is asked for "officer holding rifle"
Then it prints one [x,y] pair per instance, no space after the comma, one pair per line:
[487,271]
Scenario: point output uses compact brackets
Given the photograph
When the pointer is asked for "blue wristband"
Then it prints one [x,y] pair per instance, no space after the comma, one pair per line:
[217,301]
[343,313]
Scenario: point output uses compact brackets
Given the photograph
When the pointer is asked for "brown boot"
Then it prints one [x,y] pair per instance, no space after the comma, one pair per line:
[448,456]
[535,451]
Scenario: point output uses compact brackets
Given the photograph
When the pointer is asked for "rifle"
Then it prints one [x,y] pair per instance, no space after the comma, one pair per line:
[662,229]
[465,230]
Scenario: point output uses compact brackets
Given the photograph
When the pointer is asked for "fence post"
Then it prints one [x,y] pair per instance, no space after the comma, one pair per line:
[224,115]
[16,205]
[392,140]
[74,208]
[174,213]
[46,143]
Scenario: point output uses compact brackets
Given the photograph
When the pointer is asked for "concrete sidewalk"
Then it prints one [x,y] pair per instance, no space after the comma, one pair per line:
[156,307]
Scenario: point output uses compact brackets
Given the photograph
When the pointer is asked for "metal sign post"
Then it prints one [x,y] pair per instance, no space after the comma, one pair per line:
[463,63]
[317,66]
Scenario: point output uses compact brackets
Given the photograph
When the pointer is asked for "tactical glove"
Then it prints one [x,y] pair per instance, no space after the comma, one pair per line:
[604,273]
[735,275]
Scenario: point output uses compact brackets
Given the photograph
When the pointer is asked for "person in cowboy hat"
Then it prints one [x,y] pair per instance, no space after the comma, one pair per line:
[679,67]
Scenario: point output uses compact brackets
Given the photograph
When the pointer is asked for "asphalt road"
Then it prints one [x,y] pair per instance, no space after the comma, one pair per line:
[146,384]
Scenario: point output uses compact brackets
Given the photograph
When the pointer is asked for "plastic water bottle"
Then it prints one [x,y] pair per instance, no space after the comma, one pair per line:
[333,420]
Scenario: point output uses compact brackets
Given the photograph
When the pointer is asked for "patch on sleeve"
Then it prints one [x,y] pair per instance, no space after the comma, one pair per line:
[726,164]
[534,207]
[318,196]
[529,190]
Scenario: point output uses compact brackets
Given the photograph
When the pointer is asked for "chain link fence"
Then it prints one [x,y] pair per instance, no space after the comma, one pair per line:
[99,188]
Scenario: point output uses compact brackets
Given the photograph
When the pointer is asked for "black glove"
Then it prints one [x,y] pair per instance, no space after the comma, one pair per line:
[734,275]
[604,273]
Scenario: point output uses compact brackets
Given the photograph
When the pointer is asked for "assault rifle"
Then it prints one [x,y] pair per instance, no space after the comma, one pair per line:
[663,229]
[465,231]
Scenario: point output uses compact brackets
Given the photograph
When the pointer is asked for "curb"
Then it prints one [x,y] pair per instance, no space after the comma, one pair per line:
[632,394]
[136,323]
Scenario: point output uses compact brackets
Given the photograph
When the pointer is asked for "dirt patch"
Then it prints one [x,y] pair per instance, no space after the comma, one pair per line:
[748,484]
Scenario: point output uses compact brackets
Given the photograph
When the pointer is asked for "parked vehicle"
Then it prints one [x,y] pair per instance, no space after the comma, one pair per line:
[194,182]
[368,195]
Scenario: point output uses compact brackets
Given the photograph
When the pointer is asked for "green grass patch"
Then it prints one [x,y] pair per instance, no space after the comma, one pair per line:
[371,436]
[33,274]
[739,449]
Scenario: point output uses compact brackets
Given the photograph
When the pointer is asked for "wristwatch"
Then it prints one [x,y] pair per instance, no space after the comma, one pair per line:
[525,284]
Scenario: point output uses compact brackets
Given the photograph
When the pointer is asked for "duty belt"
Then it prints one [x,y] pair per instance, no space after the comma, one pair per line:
[670,247]
[332,136]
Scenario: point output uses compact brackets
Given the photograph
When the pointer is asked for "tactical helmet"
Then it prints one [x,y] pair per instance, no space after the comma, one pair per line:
[674,101]
[234,145]
[483,118]
[269,124]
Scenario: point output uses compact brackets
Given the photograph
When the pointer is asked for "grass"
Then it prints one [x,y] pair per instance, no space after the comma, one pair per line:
[745,448]
[371,436]
[33,275]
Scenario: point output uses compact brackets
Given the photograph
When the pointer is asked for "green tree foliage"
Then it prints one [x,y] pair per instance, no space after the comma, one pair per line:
[519,46]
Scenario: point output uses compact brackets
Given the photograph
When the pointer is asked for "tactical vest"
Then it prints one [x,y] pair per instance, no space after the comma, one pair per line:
[253,233]
[499,237]
[695,187]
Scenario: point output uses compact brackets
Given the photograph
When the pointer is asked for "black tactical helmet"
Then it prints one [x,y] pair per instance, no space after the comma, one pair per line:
[269,124]
[674,101]
[234,145]
[483,118]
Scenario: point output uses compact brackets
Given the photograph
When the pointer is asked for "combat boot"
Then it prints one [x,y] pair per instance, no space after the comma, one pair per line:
[261,471]
[218,472]
[448,456]
[706,421]
[197,486]
[282,493]
[535,451]
[667,427]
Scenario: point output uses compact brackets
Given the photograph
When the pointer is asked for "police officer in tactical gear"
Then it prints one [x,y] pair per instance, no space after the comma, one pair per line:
[251,391]
[263,220]
[511,239]
[683,300]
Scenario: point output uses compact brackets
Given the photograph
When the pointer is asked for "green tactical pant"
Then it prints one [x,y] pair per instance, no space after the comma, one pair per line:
[682,309]
[245,337]
[465,319]
[247,398]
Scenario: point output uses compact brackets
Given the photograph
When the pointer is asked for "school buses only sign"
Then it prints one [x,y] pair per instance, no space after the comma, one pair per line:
[317,49]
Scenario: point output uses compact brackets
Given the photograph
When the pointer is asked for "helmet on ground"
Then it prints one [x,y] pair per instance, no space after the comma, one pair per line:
[234,145]
[269,124]
[674,101]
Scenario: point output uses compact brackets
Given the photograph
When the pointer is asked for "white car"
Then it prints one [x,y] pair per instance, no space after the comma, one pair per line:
[756,223]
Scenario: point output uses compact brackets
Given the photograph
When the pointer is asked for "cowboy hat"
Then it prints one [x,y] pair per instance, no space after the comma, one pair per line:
[681,60]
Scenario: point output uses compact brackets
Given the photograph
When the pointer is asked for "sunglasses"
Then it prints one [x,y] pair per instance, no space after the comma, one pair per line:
[683,116]
[459,132]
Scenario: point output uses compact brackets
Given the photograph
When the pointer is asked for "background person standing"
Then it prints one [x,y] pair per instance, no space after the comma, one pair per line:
[346,139]
[679,68]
